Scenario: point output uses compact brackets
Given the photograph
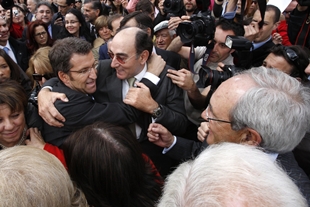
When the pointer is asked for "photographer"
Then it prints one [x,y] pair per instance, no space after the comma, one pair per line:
[298,24]
[172,10]
[187,81]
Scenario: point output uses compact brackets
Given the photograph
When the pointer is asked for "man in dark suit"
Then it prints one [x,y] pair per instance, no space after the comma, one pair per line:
[257,107]
[143,21]
[15,49]
[130,55]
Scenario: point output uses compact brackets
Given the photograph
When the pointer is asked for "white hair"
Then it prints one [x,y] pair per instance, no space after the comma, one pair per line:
[230,174]
[33,177]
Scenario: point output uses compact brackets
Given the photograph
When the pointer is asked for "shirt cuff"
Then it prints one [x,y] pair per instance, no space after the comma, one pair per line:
[151,77]
[228,15]
[47,87]
[165,150]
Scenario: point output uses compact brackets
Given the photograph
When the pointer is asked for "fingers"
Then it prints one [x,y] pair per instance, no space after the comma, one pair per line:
[203,131]
[48,117]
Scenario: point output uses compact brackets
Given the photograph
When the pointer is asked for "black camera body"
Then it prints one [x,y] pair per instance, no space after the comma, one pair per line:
[199,31]
[173,7]
[304,2]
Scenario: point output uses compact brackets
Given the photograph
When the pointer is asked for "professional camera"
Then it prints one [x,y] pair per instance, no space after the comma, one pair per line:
[215,78]
[173,7]
[200,30]
[304,2]
[7,4]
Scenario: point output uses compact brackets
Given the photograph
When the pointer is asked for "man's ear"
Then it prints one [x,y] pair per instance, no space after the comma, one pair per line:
[251,137]
[63,77]
[275,26]
[144,56]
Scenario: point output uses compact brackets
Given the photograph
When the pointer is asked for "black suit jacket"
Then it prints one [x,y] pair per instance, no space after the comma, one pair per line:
[109,88]
[82,110]
[20,52]
[172,59]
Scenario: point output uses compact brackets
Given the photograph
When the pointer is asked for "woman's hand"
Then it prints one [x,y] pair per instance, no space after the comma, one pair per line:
[36,139]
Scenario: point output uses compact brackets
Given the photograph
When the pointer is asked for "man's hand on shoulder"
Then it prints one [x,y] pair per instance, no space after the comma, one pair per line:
[155,64]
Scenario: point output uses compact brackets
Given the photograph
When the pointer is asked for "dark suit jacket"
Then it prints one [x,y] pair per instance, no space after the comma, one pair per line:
[168,95]
[172,59]
[20,52]
[82,110]
[185,149]
[253,58]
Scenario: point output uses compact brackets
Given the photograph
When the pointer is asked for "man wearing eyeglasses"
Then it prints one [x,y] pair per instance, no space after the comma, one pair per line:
[260,107]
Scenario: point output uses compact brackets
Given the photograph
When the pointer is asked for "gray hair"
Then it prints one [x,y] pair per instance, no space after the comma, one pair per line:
[230,173]
[33,177]
[278,109]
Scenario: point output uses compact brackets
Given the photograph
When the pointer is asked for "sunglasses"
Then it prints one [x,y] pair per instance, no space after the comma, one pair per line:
[38,77]
[120,59]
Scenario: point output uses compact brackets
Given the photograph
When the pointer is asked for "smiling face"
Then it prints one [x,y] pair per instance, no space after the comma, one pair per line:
[44,14]
[82,75]
[11,125]
[123,47]
[5,72]
[221,103]
[72,24]
[4,32]
[105,33]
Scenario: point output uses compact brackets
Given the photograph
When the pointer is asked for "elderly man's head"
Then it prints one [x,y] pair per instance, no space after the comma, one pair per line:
[164,36]
[262,107]
[129,50]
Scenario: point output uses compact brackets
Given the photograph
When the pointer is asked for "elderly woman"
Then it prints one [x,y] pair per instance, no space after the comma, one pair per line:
[9,70]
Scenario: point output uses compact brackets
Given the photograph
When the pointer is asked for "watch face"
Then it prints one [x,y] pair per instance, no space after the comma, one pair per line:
[156,112]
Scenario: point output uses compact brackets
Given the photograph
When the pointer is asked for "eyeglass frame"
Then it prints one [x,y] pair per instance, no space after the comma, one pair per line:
[120,59]
[40,34]
[86,70]
[212,119]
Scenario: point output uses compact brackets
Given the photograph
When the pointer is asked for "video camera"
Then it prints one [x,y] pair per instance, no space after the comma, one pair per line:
[200,30]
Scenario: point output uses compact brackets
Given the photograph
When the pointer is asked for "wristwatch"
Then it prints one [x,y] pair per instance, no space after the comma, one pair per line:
[157,112]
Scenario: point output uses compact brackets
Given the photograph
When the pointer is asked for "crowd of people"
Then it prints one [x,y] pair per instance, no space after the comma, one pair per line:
[114,103]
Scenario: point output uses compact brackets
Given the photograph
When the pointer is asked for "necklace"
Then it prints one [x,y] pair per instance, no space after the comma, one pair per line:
[20,141]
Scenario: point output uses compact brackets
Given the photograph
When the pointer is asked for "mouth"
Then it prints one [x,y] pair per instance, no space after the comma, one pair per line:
[11,134]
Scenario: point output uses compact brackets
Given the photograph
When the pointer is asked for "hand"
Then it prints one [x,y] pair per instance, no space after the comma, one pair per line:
[47,109]
[251,31]
[161,7]
[174,22]
[277,38]
[124,3]
[36,139]
[182,78]
[59,22]
[155,64]
[159,135]
[203,131]
[220,66]
[141,98]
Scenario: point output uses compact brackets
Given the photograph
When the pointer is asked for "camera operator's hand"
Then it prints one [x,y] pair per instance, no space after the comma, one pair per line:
[174,22]
[161,7]
[251,31]
[219,67]
[203,131]
[182,78]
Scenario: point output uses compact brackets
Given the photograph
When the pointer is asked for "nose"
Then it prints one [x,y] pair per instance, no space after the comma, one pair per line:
[93,73]
[204,114]
[8,125]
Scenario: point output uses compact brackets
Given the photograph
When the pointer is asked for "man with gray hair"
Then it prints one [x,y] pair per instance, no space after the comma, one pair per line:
[260,107]
[230,174]
[163,35]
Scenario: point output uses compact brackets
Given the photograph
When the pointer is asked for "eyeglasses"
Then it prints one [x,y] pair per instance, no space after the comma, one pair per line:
[78,1]
[40,34]
[71,22]
[120,59]
[219,120]
[38,77]
[86,70]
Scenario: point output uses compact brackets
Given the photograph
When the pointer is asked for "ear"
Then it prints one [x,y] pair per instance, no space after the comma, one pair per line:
[63,77]
[275,26]
[149,31]
[97,12]
[251,137]
[144,56]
